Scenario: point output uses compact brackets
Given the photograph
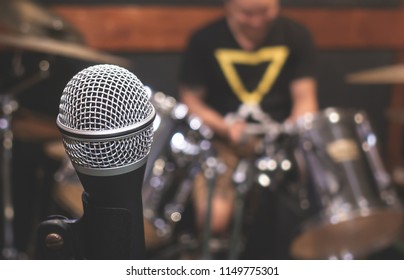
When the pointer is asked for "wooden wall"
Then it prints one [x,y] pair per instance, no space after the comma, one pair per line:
[159,28]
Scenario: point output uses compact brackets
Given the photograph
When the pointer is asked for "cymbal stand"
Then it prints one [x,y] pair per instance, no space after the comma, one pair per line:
[8,105]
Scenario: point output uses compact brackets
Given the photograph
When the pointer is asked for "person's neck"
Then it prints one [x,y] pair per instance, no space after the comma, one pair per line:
[248,43]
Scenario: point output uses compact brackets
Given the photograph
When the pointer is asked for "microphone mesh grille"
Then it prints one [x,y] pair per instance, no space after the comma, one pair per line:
[109,154]
[103,98]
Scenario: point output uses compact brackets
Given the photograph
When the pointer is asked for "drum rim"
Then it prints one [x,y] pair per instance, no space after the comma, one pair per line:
[321,221]
[308,119]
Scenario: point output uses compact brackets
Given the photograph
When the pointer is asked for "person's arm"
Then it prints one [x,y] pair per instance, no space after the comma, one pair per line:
[193,98]
[303,87]
[304,97]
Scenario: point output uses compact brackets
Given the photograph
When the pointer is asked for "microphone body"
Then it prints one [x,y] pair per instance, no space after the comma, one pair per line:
[106,121]
[113,215]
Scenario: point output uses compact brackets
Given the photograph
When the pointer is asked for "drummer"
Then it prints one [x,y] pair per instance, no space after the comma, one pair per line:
[242,68]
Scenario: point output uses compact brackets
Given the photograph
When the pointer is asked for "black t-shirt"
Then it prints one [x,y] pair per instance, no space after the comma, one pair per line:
[232,76]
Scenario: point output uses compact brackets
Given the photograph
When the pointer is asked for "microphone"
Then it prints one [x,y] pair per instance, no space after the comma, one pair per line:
[106,121]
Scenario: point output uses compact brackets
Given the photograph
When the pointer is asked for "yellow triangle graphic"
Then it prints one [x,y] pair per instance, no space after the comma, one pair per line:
[227,59]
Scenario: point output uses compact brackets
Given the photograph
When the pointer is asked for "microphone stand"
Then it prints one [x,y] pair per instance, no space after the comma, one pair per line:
[59,238]
[8,105]
[101,233]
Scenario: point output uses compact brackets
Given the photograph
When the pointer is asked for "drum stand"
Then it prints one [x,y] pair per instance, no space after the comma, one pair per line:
[210,171]
[8,105]
[242,179]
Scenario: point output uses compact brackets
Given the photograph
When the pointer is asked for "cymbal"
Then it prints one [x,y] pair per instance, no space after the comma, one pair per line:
[27,17]
[57,47]
[383,75]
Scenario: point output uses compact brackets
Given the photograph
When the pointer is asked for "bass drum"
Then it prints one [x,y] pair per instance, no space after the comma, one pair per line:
[353,209]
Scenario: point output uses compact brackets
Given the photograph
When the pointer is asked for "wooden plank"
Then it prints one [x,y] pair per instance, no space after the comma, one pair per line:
[395,130]
[354,28]
[137,28]
[160,28]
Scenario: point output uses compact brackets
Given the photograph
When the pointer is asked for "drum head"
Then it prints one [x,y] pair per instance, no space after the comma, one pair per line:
[355,237]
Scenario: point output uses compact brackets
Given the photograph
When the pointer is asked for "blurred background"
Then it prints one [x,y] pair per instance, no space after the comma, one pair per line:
[44,43]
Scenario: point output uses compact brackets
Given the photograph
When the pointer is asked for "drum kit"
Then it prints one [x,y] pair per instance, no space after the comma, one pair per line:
[349,205]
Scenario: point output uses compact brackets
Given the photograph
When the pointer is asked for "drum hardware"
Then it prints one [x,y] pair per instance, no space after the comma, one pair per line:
[164,202]
[187,157]
[211,168]
[337,179]
[160,219]
[166,104]
[9,105]
[271,172]
[276,162]
[188,143]
[27,125]
[354,210]
[243,178]
[181,147]
[173,211]
[159,188]
[169,115]
[384,75]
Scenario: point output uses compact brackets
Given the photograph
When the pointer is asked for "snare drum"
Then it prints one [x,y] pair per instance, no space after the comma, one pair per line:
[353,209]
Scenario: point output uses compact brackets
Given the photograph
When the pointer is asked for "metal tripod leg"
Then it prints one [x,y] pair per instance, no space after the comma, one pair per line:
[8,251]
[210,173]
[8,105]
[242,178]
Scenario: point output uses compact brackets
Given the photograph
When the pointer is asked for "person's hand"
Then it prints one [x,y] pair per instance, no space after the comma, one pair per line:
[243,144]
[236,132]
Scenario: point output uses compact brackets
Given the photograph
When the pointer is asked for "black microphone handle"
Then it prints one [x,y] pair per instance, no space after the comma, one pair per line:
[113,215]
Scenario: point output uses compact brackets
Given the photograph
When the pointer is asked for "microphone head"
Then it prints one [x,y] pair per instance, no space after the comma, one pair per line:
[106,120]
